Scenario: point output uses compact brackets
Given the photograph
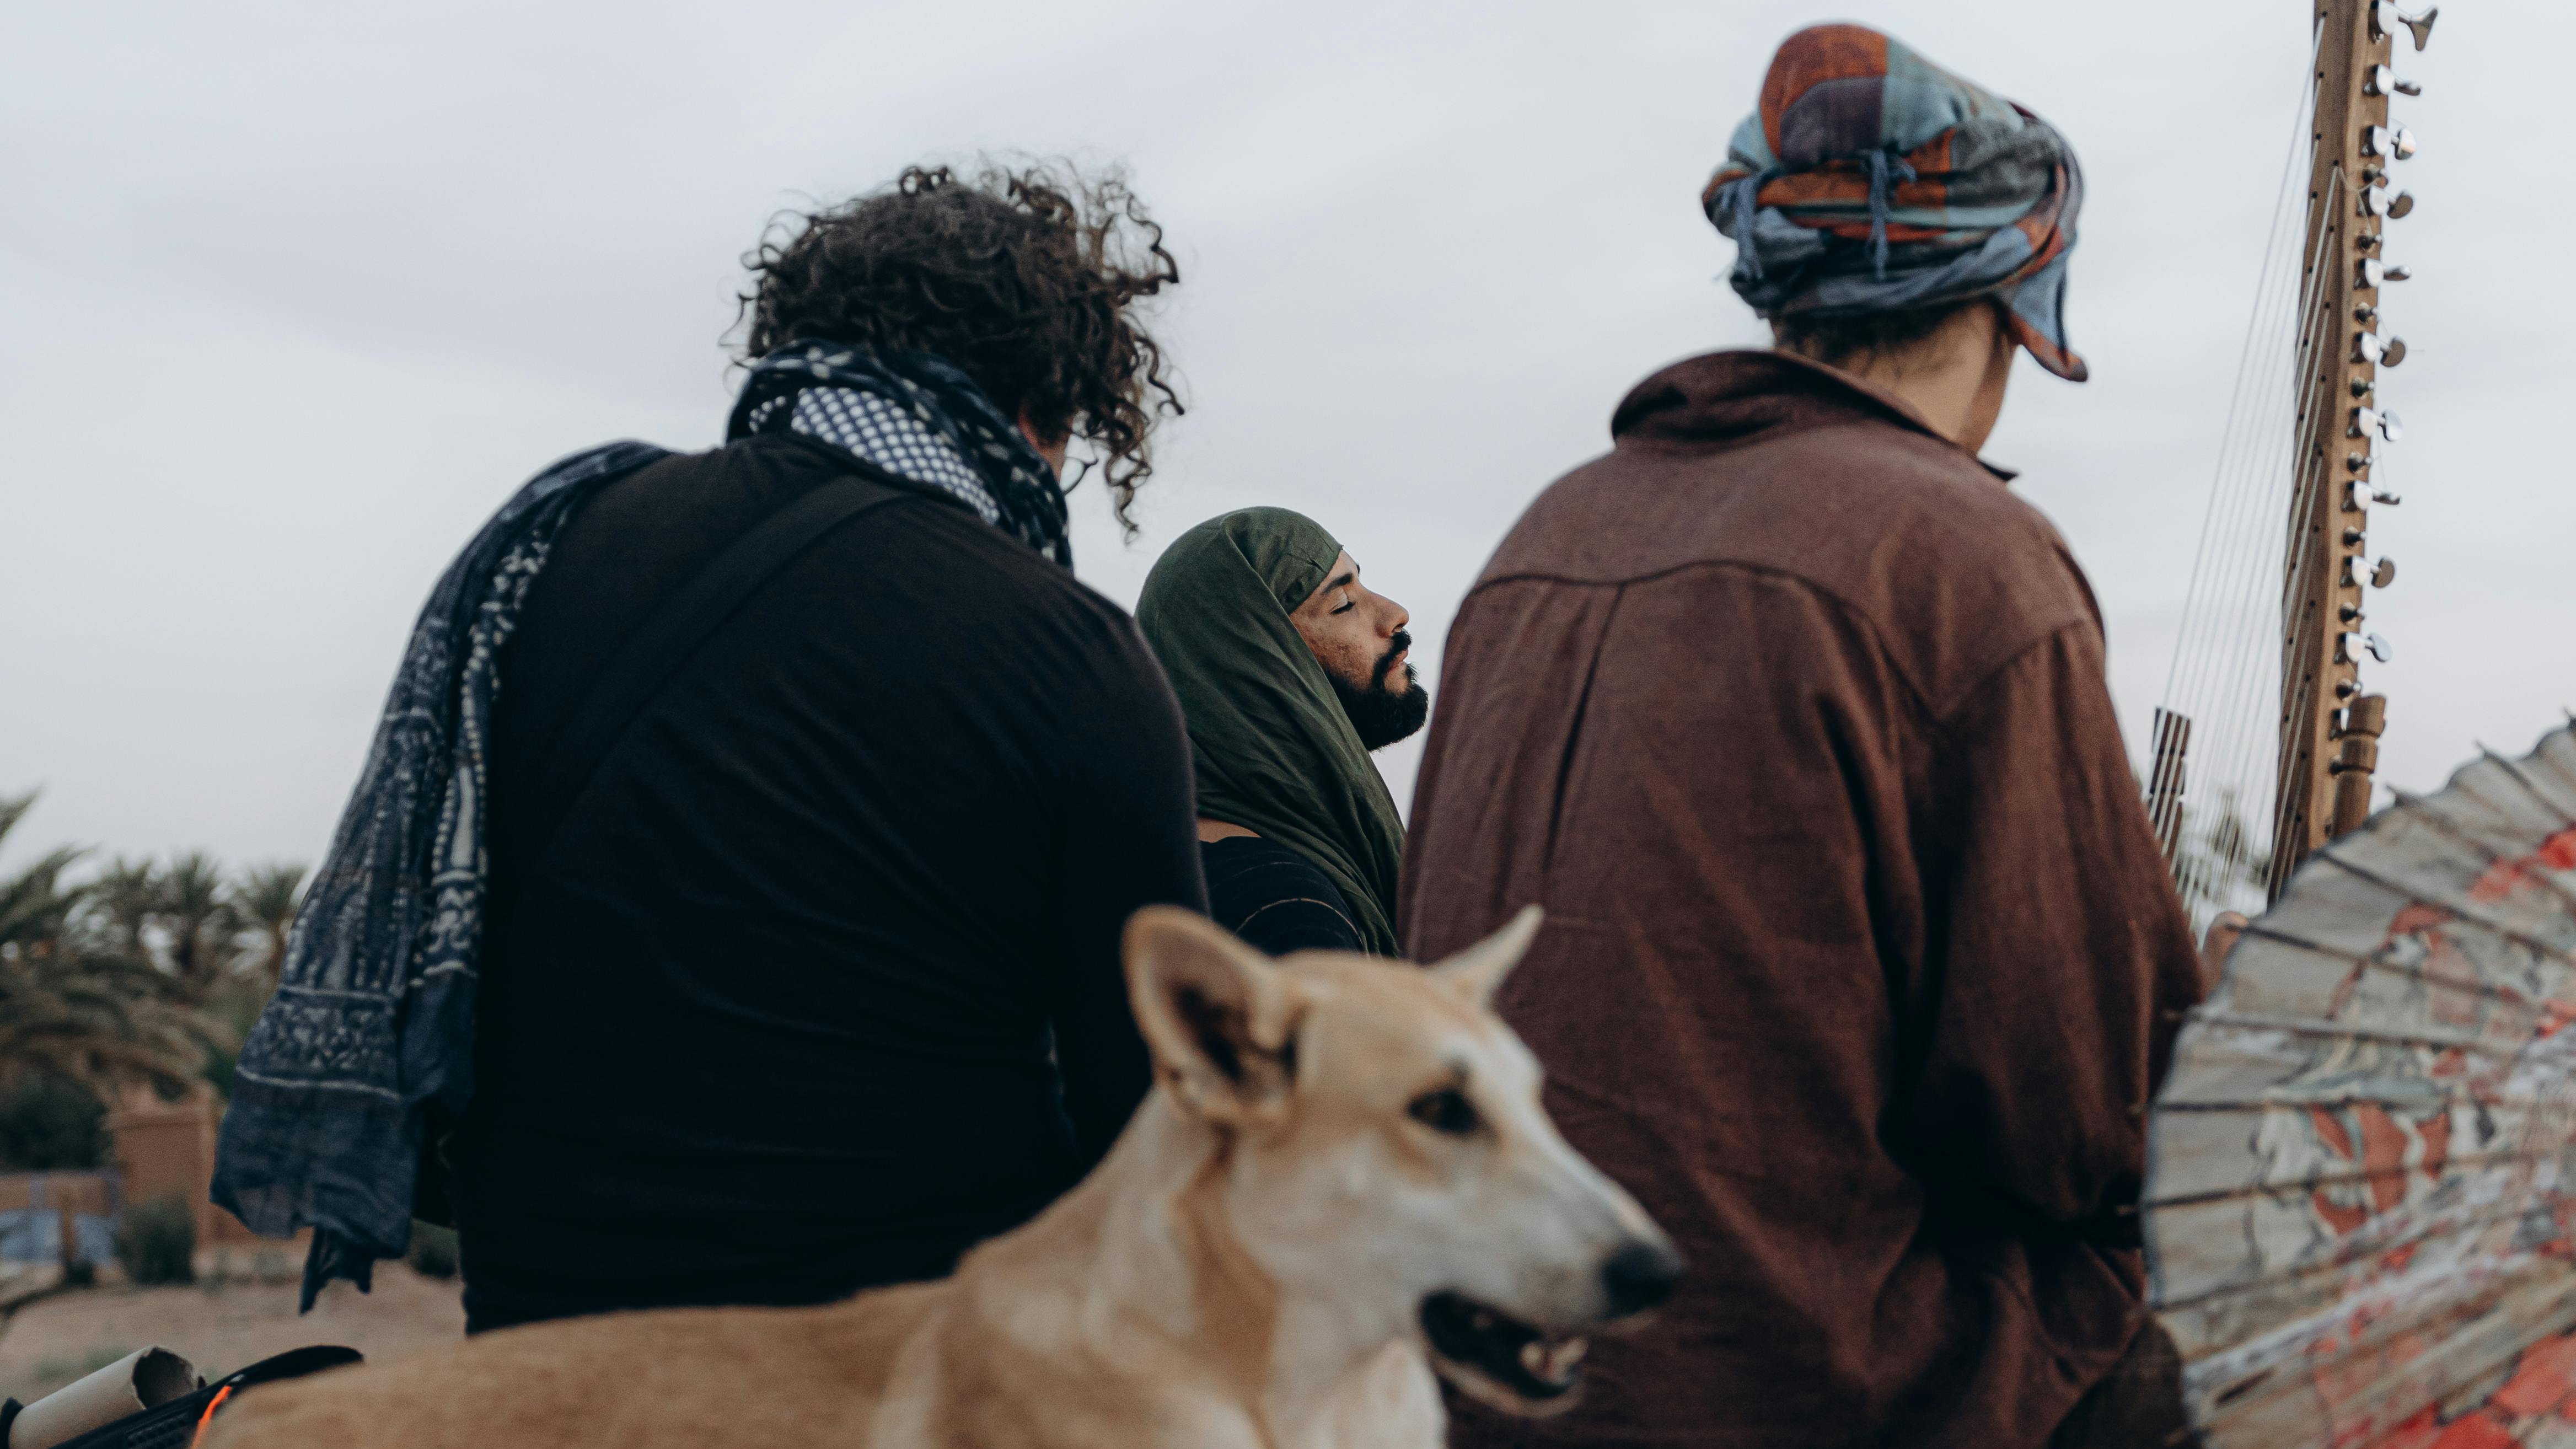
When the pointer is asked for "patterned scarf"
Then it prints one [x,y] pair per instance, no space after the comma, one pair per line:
[915,415]
[369,1041]
[371,1030]
[1871,180]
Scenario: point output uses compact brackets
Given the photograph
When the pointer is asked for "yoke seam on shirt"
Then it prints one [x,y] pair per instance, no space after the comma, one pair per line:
[1920,697]
[1970,695]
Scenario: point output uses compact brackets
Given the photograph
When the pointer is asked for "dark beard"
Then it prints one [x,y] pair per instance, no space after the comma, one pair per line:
[1383,711]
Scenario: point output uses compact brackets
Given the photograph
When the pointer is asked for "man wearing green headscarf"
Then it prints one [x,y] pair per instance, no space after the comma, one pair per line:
[1289,671]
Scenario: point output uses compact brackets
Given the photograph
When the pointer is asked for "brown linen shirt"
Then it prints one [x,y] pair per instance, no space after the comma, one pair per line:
[1860,962]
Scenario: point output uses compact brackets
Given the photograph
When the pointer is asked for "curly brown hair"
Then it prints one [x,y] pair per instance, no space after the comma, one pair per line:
[1024,278]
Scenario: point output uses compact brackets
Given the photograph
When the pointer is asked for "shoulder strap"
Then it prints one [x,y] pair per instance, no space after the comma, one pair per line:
[655,652]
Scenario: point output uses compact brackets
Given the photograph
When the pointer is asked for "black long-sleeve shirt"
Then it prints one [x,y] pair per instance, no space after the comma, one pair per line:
[1274,898]
[821,984]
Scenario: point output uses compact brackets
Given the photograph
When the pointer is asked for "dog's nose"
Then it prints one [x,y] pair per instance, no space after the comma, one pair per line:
[1640,1275]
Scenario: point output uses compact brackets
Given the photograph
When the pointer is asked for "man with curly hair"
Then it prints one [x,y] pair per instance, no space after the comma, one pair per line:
[731,907]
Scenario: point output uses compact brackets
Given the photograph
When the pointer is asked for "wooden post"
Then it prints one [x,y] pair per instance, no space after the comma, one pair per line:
[2321,595]
[2165,781]
[2356,757]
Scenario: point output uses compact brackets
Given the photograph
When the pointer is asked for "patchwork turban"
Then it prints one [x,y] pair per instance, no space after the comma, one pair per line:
[1871,180]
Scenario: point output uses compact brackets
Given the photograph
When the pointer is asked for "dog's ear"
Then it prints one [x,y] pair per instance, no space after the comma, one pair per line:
[1219,1017]
[1476,971]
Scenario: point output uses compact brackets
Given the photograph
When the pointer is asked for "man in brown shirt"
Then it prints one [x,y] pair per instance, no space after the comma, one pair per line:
[1860,963]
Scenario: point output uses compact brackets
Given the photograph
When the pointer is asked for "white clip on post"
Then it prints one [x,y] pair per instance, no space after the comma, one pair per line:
[2385,17]
[2379,80]
[2397,144]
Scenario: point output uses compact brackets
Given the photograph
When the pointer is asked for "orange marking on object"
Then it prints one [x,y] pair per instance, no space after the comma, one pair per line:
[2415,918]
[2332,1131]
[2416,1433]
[2436,1132]
[208,1417]
[2383,1155]
[2339,1220]
[2504,877]
[2477,1431]
[2542,1381]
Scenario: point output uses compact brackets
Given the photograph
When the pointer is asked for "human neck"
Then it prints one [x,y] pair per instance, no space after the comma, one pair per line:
[1954,378]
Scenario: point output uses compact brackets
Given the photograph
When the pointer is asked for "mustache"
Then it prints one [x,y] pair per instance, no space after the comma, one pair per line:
[1397,645]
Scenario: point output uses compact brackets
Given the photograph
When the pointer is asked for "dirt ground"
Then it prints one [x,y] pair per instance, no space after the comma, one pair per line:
[220,1323]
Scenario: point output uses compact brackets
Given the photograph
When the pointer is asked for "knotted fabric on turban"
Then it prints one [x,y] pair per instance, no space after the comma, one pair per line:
[1871,180]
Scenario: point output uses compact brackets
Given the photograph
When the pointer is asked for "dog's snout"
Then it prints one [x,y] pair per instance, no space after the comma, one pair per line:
[1640,1275]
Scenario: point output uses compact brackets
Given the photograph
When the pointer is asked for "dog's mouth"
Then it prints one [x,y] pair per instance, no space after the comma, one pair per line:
[1499,1360]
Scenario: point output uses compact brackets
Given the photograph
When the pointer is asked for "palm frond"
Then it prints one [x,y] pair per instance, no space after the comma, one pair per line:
[14,808]
[268,894]
[34,904]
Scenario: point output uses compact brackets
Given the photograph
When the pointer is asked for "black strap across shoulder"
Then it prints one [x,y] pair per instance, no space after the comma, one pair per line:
[655,652]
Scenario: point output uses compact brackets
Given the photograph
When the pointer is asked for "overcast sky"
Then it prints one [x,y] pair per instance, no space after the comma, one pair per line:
[295,294]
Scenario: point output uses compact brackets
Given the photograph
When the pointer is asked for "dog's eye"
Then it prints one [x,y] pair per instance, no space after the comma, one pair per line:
[1446,1110]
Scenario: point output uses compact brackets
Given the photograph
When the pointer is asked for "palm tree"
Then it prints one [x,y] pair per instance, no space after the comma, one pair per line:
[94,1019]
[33,905]
[119,905]
[194,910]
[264,898]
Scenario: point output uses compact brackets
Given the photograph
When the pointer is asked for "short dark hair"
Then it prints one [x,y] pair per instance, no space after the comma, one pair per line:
[1836,340]
[1024,278]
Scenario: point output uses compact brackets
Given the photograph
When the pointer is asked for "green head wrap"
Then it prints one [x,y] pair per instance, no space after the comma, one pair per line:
[1271,747]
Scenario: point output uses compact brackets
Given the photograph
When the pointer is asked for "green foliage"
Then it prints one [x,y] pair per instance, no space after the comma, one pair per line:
[158,1242]
[433,1250]
[51,1125]
[264,899]
[143,972]
[199,928]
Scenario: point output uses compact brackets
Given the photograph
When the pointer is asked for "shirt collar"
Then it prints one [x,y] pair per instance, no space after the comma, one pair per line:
[1723,395]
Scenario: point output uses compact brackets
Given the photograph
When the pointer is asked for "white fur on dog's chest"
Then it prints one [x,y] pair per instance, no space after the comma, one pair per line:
[1395,1405]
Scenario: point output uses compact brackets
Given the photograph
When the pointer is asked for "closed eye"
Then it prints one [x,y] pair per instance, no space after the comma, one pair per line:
[1447,1111]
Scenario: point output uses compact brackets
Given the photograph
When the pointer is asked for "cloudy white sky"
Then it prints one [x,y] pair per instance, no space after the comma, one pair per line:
[294,294]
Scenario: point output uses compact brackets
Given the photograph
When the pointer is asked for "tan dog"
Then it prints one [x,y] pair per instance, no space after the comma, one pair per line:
[1343,1177]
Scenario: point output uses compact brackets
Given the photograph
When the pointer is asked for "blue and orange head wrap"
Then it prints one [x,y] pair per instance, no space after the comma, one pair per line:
[1871,180]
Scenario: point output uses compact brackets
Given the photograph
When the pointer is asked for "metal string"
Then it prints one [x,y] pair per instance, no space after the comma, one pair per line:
[2228,655]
